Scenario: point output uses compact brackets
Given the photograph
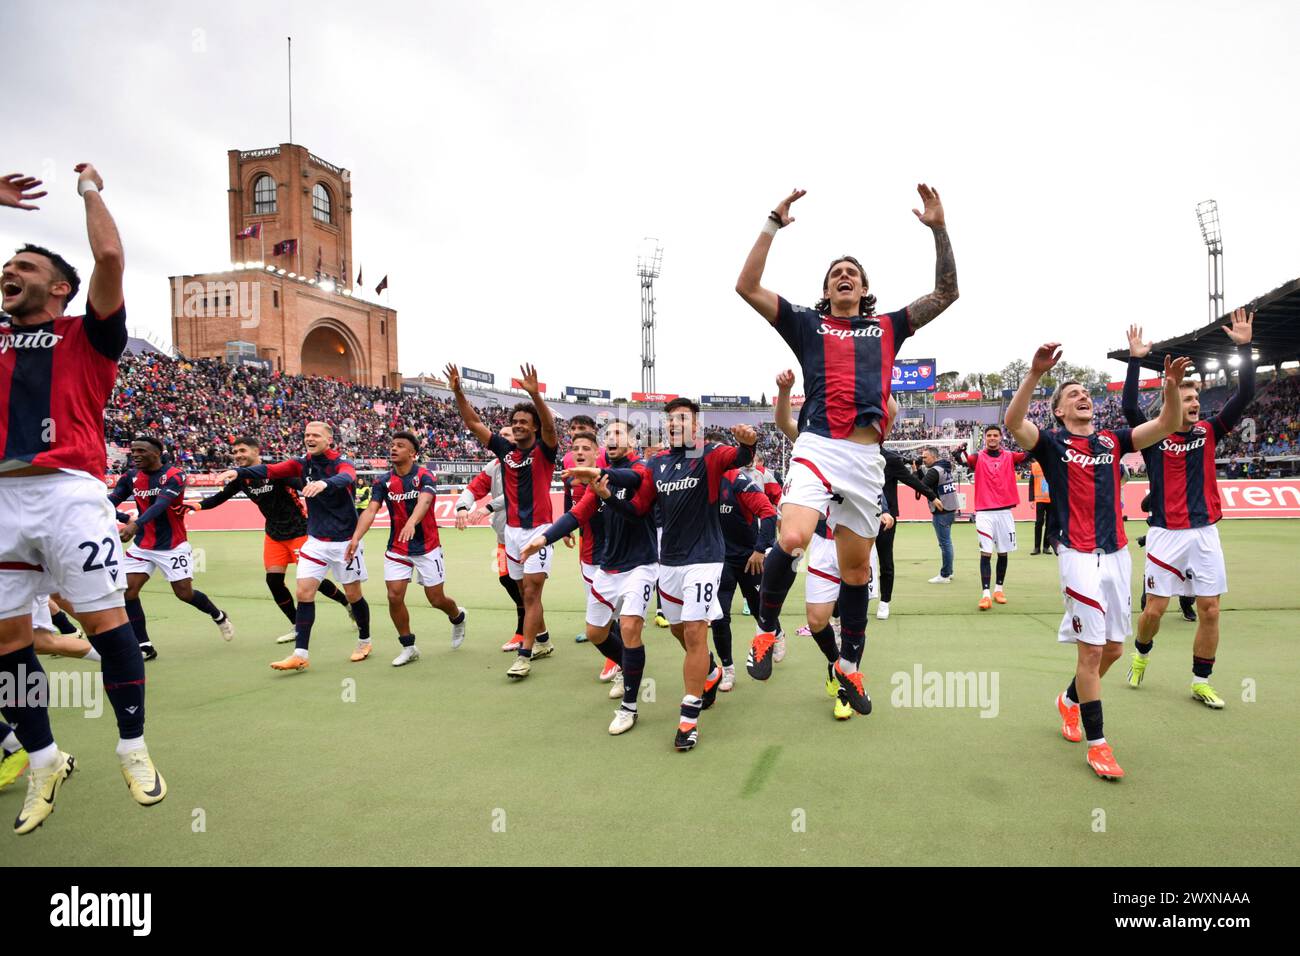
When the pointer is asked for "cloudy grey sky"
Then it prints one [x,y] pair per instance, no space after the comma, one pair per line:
[508,158]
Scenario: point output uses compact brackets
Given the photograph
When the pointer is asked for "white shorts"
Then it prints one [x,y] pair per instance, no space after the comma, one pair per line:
[1098,597]
[690,592]
[516,540]
[42,620]
[176,564]
[318,558]
[589,572]
[626,593]
[996,531]
[1185,561]
[838,478]
[399,567]
[58,534]
[822,584]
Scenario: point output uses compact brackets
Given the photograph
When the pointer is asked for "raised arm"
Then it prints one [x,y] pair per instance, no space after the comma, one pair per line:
[1240,331]
[1171,413]
[785,420]
[1022,430]
[926,308]
[1137,350]
[750,284]
[228,491]
[467,413]
[105,291]
[545,419]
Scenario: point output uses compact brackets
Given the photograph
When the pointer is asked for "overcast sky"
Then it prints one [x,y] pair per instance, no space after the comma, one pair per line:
[508,158]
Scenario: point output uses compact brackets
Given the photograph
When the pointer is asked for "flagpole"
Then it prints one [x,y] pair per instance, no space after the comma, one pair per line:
[290,39]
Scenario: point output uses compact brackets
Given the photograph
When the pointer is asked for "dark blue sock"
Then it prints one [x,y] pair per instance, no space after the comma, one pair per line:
[201,601]
[986,570]
[633,667]
[135,615]
[722,639]
[853,621]
[459,618]
[825,639]
[778,576]
[612,647]
[361,614]
[30,723]
[332,591]
[306,617]
[406,640]
[280,594]
[690,711]
[1090,711]
[1002,569]
[64,625]
[123,669]
[542,638]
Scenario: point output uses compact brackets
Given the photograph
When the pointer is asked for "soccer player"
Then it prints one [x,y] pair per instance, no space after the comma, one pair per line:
[996,495]
[1183,546]
[160,541]
[331,518]
[281,505]
[629,565]
[1082,465]
[56,375]
[583,425]
[409,490]
[528,463]
[845,352]
[487,485]
[684,481]
[748,530]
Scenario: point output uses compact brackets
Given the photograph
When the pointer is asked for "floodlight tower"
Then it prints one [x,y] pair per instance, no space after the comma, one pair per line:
[649,264]
[1207,214]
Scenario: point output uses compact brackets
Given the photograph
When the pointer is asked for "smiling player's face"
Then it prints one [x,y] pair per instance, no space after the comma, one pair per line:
[844,287]
[1075,405]
[681,427]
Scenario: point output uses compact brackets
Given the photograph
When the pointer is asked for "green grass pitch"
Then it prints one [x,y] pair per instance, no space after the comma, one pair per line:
[447,762]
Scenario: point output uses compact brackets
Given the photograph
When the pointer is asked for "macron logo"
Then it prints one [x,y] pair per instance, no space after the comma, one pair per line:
[865,332]
[10,339]
[134,910]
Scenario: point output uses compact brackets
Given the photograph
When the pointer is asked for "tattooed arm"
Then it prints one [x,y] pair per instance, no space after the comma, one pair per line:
[945,266]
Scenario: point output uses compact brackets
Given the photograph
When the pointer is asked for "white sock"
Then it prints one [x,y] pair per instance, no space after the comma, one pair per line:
[986,592]
[1097,743]
[92,655]
[1068,702]
[10,743]
[45,757]
[301,652]
[848,667]
[125,746]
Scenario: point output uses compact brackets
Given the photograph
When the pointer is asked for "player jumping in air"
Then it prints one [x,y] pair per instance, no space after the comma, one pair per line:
[409,490]
[329,480]
[160,538]
[281,505]
[528,464]
[56,374]
[846,354]
[1082,466]
[1183,549]
[996,494]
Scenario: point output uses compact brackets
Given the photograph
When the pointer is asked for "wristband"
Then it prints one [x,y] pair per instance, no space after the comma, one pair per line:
[86,186]
[770,227]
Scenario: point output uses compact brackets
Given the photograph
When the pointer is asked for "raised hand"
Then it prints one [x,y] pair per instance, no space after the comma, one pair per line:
[932,212]
[745,434]
[782,209]
[528,379]
[88,173]
[1242,326]
[1176,369]
[1136,347]
[16,191]
[1045,358]
[785,380]
[453,376]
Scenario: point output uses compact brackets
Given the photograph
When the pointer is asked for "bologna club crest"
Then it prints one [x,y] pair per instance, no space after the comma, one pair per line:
[1077,625]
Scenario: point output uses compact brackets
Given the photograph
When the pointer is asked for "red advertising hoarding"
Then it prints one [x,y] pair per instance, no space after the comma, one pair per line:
[958,396]
[1142,383]
[653,396]
[515,383]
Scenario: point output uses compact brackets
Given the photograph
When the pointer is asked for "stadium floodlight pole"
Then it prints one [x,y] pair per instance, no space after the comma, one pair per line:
[1207,214]
[649,265]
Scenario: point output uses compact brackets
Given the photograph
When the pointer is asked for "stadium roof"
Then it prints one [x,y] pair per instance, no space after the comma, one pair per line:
[139,346]
[1276,337]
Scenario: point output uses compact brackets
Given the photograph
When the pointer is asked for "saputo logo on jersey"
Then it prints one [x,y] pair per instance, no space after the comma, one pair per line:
[681,484]
[1079,458]
[524,461]
[726,509]
[44,339]
[147,492]
[1181,447]
[862,332]
[405,495]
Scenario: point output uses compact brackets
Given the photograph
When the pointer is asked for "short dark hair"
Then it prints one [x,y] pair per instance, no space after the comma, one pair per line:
[149,440]
[584,421]
[681,401]
[586,436]
[1056,397]
[867,304]
[993,428]
[248,440]
[61,265]
[528,407]
[409,436]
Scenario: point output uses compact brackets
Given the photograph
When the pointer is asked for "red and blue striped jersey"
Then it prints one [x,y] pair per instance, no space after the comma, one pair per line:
[747,516]
[847,363]
[401,493]
[1083,472]
[160,513]
[55,379]
[332,514]
[526,480]
[592,543]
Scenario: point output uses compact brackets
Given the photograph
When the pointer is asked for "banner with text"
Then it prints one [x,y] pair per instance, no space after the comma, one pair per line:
[474,375]
[653,396]
[724,400]
[958,396]
[913,375]
[1142,383]
[574,391]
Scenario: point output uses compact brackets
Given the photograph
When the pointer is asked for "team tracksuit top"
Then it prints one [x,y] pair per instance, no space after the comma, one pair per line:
[629,536]
[332,514]
[747,517]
